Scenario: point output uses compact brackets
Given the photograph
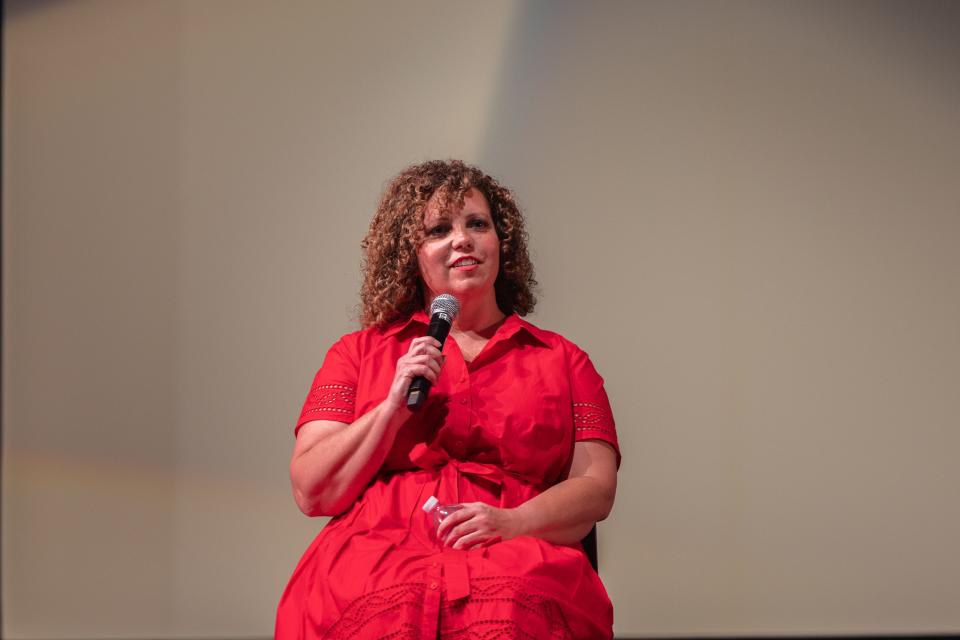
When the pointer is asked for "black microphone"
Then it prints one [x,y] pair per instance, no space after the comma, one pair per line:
[442,312]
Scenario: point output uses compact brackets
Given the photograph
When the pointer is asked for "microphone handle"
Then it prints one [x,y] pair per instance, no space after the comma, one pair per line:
[420,386]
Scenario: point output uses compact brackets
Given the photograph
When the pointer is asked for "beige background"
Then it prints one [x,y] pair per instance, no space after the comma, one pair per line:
[747,212]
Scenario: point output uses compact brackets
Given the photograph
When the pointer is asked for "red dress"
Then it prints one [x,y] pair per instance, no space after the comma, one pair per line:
[500,429]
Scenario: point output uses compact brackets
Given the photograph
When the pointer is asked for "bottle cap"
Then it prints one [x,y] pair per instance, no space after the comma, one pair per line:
[430,504]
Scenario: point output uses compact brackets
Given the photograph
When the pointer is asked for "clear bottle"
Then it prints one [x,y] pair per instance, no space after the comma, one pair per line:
[439,511]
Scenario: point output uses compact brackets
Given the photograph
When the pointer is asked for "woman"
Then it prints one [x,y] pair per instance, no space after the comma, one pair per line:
[517,429]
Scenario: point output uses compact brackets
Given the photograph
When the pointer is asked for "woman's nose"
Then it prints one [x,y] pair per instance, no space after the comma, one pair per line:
[461,239]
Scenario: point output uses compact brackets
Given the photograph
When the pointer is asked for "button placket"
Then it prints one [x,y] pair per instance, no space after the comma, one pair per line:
[430,621]
[462,406]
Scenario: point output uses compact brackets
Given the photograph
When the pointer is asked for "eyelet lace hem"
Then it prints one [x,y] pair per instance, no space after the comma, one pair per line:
[544,618]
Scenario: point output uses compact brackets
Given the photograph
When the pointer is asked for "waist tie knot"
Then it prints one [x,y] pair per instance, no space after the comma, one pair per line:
[515,488]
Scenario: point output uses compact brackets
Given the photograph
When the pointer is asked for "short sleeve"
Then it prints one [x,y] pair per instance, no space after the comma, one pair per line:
[333,393]
[592,416]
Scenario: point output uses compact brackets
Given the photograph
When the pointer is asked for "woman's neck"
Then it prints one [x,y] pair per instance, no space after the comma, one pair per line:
[478,316]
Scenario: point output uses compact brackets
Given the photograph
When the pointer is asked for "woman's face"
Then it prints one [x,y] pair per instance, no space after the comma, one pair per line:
[460,253]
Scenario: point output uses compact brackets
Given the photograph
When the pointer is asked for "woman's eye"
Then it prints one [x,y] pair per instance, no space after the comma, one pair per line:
[438,230]
[479,224]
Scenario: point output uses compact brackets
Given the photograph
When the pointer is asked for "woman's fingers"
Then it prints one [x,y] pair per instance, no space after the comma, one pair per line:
[430,361]
[469,534]
[477,523]
[423,358]
[419,363]
[466,526]
[424,344]
[409,367]
[457,533]
[423,353]
[454,519]
[411,371]
[475,539]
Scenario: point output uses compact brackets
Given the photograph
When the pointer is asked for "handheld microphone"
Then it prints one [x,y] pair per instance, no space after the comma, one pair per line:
[443,310]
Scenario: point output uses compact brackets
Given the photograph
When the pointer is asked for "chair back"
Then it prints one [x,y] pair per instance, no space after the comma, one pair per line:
[590,548]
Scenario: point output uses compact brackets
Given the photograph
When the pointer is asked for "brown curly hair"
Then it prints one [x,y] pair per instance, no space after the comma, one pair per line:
[392,288]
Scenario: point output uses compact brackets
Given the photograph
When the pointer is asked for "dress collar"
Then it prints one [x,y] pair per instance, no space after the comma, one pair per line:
[508,329]
[419,317]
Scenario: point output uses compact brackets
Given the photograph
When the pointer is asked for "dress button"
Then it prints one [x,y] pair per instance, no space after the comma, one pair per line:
[433,585]
[459,443]
[434,565]
[463,401]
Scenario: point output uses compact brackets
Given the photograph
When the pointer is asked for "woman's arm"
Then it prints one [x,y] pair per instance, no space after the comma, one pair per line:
[566,512]
[563,514]
[333,461]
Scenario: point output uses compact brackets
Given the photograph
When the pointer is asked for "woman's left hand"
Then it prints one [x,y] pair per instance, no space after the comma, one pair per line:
[477,523]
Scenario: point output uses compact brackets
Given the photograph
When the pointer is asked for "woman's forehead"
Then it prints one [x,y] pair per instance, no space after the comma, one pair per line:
[444,204]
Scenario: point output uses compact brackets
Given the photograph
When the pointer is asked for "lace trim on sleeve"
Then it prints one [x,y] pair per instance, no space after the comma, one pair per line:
[589,416]
[334,398]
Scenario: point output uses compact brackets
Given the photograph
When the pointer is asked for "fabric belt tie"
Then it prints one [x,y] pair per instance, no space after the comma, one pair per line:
[456,576]
[511,484]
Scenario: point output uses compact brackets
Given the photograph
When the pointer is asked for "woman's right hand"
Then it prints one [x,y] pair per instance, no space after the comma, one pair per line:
[422,359]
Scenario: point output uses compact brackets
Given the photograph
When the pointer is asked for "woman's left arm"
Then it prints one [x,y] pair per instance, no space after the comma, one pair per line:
[563,514]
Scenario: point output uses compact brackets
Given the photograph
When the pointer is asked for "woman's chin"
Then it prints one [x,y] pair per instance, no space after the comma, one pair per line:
[469,289]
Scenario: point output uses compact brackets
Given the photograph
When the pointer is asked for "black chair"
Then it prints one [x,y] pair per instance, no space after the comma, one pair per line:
[590,548]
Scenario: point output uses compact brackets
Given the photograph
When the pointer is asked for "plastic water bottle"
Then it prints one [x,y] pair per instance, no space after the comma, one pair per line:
[439,511]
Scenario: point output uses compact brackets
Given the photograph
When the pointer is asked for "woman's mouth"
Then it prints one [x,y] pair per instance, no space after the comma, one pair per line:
[466,264]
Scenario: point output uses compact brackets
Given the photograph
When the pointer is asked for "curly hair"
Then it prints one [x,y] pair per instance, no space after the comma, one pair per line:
[392,288]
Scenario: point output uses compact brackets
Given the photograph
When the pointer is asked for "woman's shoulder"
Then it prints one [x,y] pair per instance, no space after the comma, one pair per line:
[365,338]
[549,338]
[359,338]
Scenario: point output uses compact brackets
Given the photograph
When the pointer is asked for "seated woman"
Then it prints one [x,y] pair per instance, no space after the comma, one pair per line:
[517,428]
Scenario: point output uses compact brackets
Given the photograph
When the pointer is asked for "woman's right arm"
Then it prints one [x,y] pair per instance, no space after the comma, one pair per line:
[333,461]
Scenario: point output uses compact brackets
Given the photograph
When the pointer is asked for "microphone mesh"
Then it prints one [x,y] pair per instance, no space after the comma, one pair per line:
[446,304]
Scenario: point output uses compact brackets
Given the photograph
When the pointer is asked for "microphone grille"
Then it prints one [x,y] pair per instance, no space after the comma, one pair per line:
[447,304]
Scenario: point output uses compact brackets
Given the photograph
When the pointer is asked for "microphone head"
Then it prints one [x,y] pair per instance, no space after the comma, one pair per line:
[445,304]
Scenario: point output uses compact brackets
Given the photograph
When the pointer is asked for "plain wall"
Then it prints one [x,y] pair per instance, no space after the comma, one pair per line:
[746,212]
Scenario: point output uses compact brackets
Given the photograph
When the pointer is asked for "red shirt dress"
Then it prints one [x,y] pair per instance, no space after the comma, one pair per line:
[500,429]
